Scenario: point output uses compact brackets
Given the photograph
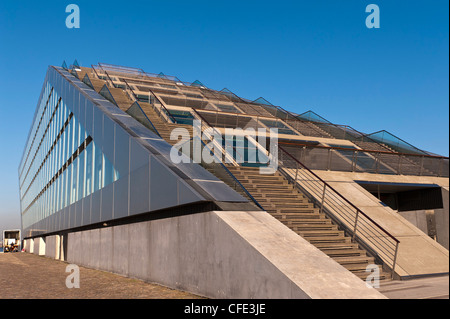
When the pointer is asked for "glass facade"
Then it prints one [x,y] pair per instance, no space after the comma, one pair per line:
[61,163]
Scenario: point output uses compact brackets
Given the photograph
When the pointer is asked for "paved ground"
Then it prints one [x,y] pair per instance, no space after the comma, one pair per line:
[421,288]
[25,276]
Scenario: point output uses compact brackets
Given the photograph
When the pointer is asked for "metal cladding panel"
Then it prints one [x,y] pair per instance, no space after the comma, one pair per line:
[162,194]
[122,151]
[97,119]
[121,197]
[96,202]
[108,141]
[107,207]
[143,179]
[86,219]
[140,190]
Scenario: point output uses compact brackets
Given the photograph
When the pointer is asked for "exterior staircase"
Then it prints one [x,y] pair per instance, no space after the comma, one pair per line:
[276,196]
[284,202]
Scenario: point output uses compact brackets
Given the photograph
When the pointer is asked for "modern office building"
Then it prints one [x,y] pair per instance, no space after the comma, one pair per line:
[173,182]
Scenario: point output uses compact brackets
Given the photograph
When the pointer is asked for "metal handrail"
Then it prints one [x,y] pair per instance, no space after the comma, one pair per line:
[108,77]
[235,179]
[203,120]
[151,123]
[380,161]
[359,212]
[131,90]
[219,161]
[95,71]
[162,106]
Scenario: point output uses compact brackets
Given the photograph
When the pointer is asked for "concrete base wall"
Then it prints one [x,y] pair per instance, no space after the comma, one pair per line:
[418,218]
[38,246]
[218,255]
[439,223]
[442,220]
[29,245]
[418,254]
[52,248]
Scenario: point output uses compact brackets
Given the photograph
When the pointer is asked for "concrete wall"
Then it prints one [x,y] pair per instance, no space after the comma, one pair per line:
[52,248]
[218,255]
[418,254]
[29,245]
[442,220]
[39,246]
[432,222]
[418,218]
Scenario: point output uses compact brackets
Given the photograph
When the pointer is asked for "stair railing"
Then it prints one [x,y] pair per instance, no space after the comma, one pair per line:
[205,128]
[161,110]
[130,91]
[353,220]
[220,170]
[108,78]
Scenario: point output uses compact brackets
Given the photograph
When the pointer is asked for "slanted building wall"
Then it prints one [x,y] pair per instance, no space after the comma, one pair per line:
[217,254]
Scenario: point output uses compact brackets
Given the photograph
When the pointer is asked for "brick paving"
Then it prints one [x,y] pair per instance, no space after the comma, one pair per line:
[28,276]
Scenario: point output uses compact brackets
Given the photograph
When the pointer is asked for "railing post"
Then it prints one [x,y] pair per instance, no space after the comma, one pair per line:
[302,154]
[356,225]
[399,165]
[329,159]
[323,197]
[395,261]
[377,162]
[296,173]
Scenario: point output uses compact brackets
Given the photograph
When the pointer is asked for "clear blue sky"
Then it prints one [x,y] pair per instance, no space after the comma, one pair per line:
[301,55]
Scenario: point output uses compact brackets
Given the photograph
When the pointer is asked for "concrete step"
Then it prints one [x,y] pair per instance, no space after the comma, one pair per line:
[282,195]
[384,276]
[298,216]
[355,260]
[259,177]
[284,202]
[310,221]
[355,267]
[293,207]
[348,245]
[343,252]
[309,227]
[288,210]
[321,233]
[327,239]
[269,186]
[295,200]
